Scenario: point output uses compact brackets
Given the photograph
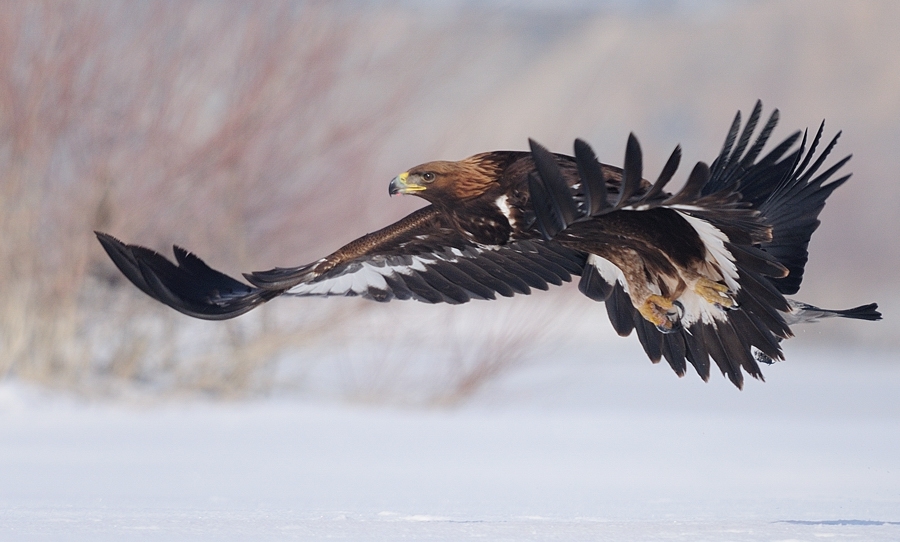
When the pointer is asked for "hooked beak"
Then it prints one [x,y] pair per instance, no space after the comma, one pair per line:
[401,185]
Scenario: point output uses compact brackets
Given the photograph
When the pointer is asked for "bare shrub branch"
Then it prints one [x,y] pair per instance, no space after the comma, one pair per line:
[219,126]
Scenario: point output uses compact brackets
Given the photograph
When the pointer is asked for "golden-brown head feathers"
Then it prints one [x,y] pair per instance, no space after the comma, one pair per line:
[444,181]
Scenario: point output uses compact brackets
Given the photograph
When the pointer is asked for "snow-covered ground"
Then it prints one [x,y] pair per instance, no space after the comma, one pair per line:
[580,449]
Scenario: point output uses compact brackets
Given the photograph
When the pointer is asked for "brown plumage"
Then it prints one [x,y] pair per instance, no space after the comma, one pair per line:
[465,180]
[699,274]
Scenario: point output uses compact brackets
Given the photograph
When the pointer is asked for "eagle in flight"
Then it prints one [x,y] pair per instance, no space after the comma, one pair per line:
[699,274]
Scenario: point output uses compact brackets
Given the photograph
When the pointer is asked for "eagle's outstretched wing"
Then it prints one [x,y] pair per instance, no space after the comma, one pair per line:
[419,257]
[754,219]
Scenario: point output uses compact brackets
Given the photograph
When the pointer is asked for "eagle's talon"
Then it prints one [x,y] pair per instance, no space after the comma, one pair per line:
[674,327]
[715,293]
[665,314]
[730,307]
[674,317]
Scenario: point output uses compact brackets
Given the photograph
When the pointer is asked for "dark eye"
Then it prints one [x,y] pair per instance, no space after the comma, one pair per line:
[428,177]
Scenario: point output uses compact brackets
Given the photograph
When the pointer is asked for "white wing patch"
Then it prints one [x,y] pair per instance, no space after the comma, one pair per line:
[608,270]
[359,281]
[714,241]
[367,276]
[418,264]
[695,306]
[503,205]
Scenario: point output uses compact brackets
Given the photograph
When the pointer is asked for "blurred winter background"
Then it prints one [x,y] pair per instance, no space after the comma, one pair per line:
[262,134]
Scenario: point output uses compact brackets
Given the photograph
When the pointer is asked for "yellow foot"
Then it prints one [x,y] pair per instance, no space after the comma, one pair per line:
[661,312]
[715,293]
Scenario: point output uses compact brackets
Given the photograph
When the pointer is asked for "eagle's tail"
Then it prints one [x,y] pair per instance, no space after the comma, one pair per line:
[191,287]
[802,313]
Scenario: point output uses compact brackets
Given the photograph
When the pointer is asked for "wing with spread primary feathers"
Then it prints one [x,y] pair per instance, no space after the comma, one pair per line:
[754,219]
[418,257]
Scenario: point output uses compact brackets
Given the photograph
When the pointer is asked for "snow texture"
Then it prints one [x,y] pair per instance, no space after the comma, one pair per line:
[609,448]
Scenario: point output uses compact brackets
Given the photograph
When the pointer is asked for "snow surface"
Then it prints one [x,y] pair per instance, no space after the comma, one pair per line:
[578,449]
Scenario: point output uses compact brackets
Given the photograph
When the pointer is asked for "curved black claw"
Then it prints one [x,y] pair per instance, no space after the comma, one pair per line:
[674,316]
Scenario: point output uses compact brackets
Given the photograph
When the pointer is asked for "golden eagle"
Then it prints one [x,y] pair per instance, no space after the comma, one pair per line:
[698,274]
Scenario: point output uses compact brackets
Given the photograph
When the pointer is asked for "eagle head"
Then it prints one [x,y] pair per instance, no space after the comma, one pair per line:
[442,181]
